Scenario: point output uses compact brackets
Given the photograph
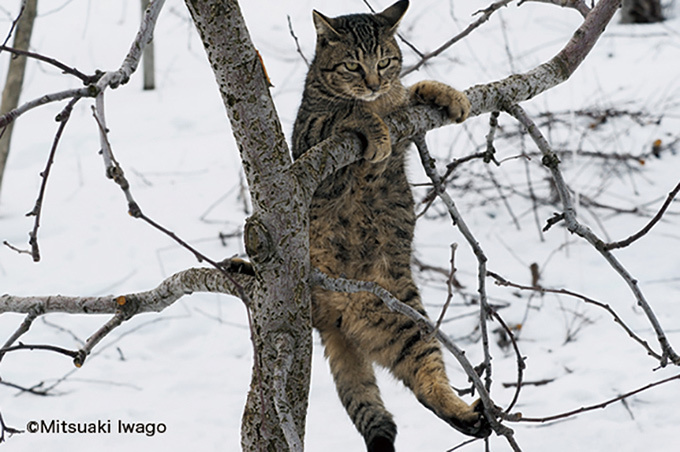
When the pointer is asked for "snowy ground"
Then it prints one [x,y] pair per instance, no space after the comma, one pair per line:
[189,367]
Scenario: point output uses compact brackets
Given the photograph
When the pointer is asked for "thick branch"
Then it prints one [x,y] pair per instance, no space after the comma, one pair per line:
[172,289]
[316,164]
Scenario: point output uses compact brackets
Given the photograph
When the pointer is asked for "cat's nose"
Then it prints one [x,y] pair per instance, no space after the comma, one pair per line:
[373,83]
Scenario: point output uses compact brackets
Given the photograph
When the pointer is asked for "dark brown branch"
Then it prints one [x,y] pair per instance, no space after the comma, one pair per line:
[504,282]
[63,118]
[623,243]
[486,14]
[592,407]
[51,348]
[23,328]
[4,428]
[520,359]
[297,42]
[87,79]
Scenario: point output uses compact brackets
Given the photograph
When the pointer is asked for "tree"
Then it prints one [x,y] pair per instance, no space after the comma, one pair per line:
[15,76]
[275,235]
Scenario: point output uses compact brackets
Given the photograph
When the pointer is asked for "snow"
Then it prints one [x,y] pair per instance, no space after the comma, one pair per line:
[189,366]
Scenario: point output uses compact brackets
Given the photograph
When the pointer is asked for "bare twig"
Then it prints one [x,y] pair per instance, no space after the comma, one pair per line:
[485,15]
[592,407]
[450,282]
[23,328]
[4,428]
[87,79]
[504,282]
[520,360]
[125,307]
[9,35]
[648,226]
[297,43]
[51,348]
[569,216]
[63,118]
[90,91]
[430,169]
[578,5]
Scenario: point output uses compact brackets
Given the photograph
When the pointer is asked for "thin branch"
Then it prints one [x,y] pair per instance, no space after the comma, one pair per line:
[297,42]
[50,348]
[578,5]
[648,226]
[430,169]
[520,360]
[4,428]
[485,15]
[166,293]
[9,35]
[87,79]
[124,307]
[504,282]
[593,407]
[23,328]
[450,282]
[63,118]
[569,216]
[11,115]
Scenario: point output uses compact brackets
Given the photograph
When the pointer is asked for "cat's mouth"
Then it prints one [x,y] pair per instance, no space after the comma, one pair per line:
[371,96]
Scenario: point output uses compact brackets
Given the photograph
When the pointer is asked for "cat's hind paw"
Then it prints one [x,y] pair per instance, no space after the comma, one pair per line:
[477,426]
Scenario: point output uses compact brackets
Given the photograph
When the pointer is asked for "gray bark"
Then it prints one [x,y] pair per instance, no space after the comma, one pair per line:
[276,235]
[148,59]
[15,77]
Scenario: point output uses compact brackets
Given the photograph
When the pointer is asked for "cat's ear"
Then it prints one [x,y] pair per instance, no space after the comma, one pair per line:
[324,26]
[393,14]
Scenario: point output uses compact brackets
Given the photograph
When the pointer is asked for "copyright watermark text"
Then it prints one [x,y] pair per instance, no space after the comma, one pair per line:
[100,427]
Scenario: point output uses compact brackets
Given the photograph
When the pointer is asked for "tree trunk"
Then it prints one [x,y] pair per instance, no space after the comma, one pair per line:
[276,235]
[641,11]
[148,60]
[15,77]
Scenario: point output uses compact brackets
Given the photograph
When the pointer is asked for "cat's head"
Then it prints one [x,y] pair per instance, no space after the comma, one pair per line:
[357,56]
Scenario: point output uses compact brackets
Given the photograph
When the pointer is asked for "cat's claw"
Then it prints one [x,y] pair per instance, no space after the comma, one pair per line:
[478,428]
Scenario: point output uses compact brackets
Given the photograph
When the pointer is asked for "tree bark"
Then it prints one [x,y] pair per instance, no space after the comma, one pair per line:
[276,235]
[148,60]
[15,77]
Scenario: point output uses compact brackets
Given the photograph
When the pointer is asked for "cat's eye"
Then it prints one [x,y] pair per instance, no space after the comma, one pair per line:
[351,66]
[382,64]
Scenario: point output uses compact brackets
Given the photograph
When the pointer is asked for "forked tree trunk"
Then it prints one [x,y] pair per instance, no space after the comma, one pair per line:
[15,77]
[276,235]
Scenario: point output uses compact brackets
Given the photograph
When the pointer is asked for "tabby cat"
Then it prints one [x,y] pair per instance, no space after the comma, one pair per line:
[362,220]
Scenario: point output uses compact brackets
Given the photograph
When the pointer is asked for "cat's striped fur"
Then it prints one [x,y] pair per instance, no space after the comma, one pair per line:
[362,220]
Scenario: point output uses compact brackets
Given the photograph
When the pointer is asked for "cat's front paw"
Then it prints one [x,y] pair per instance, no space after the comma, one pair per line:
[441,95]
[377,151]
[375,134]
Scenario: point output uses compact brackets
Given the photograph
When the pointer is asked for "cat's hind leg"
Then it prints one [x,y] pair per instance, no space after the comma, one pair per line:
[418,362]
[356,385]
